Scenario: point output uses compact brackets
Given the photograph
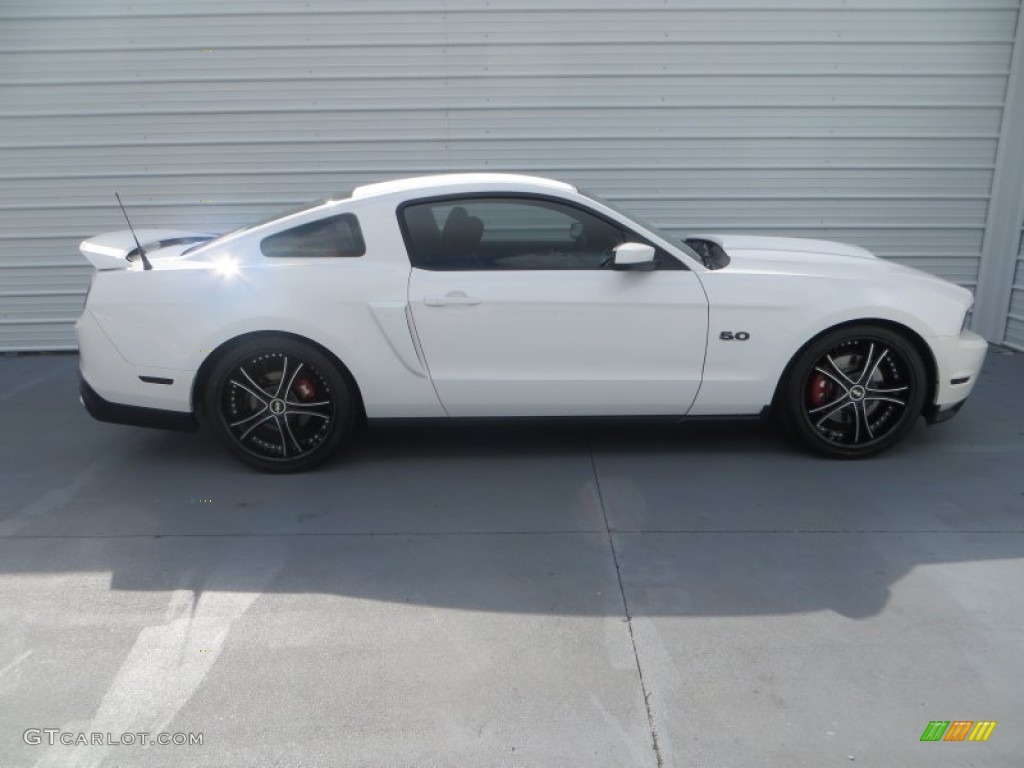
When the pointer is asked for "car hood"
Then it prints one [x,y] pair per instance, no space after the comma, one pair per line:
[823,258]
[788,248]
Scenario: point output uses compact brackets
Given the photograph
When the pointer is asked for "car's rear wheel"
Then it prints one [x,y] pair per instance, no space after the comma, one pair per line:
[279,404]
[854,392]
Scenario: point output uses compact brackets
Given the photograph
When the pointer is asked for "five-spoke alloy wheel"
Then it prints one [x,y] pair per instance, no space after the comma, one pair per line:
[854,392]
[279,404]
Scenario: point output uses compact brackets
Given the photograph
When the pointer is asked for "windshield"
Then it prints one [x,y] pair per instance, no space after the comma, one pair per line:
[278,215]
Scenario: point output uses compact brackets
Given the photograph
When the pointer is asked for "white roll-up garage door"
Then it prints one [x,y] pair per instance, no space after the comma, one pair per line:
[871,122]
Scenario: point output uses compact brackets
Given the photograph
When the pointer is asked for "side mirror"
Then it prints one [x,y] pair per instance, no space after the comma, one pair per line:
[634,256]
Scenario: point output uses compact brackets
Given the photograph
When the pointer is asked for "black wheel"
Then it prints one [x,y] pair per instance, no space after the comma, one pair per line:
[854,392]
[279,404]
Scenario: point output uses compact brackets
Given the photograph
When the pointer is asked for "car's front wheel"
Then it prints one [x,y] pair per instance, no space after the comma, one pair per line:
[854,392]
[279,404]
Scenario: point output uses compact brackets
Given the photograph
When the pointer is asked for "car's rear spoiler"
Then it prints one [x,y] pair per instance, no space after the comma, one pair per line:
[115,250]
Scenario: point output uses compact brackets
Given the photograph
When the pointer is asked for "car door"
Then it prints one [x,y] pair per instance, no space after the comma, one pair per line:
[519,312]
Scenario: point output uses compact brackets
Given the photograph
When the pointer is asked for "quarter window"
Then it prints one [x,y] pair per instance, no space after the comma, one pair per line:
[335,236]
[503,233]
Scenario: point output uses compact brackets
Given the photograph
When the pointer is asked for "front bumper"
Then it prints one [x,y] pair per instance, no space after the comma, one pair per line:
[958,362]
[932,415]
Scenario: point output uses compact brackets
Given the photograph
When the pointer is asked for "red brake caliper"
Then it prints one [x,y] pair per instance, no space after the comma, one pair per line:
[820,390]
[305,389]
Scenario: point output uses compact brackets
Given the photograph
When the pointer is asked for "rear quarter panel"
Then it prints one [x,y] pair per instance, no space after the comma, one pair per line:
[355,307]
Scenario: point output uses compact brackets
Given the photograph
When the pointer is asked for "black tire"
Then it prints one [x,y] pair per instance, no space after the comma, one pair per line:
[279,404]
[854,392]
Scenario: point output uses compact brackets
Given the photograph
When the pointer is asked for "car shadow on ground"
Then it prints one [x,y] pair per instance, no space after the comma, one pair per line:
[724,518]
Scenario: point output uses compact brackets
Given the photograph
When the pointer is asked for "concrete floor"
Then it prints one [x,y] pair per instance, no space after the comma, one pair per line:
[525,594]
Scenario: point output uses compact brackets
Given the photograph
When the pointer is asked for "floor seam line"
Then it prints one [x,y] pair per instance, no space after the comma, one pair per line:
[441,534]
[655,745]
[300,534]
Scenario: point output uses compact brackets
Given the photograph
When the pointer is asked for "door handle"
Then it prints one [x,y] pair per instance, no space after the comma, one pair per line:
[453,299]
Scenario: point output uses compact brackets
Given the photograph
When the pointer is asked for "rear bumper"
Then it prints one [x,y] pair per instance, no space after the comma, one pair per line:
[133,415]
[116,380]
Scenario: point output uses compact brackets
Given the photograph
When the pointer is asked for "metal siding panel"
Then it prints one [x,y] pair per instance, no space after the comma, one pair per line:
[416,61]
[1017,300]
[293,27]
[113,9]
[93,156]
[642,91]
[180,184]
[118,8]
[856,120]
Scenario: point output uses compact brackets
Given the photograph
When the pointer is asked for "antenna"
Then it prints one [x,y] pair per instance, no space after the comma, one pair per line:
[142,253]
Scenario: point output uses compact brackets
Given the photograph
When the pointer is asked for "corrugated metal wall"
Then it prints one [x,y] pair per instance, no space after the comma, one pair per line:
[870,121]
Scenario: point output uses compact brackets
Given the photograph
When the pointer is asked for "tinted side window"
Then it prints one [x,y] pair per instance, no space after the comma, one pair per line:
[507,233]
[336,236]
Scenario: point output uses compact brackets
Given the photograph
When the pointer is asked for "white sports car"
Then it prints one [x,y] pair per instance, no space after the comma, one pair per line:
[501,295]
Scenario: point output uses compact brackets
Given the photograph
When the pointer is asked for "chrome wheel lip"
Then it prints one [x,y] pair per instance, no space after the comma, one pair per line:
[274,408]
[871,386]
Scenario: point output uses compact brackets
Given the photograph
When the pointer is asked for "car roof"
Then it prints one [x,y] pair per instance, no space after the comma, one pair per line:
[418,183]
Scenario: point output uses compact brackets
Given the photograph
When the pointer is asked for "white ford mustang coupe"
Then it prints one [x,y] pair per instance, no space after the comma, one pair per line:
[501,295]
